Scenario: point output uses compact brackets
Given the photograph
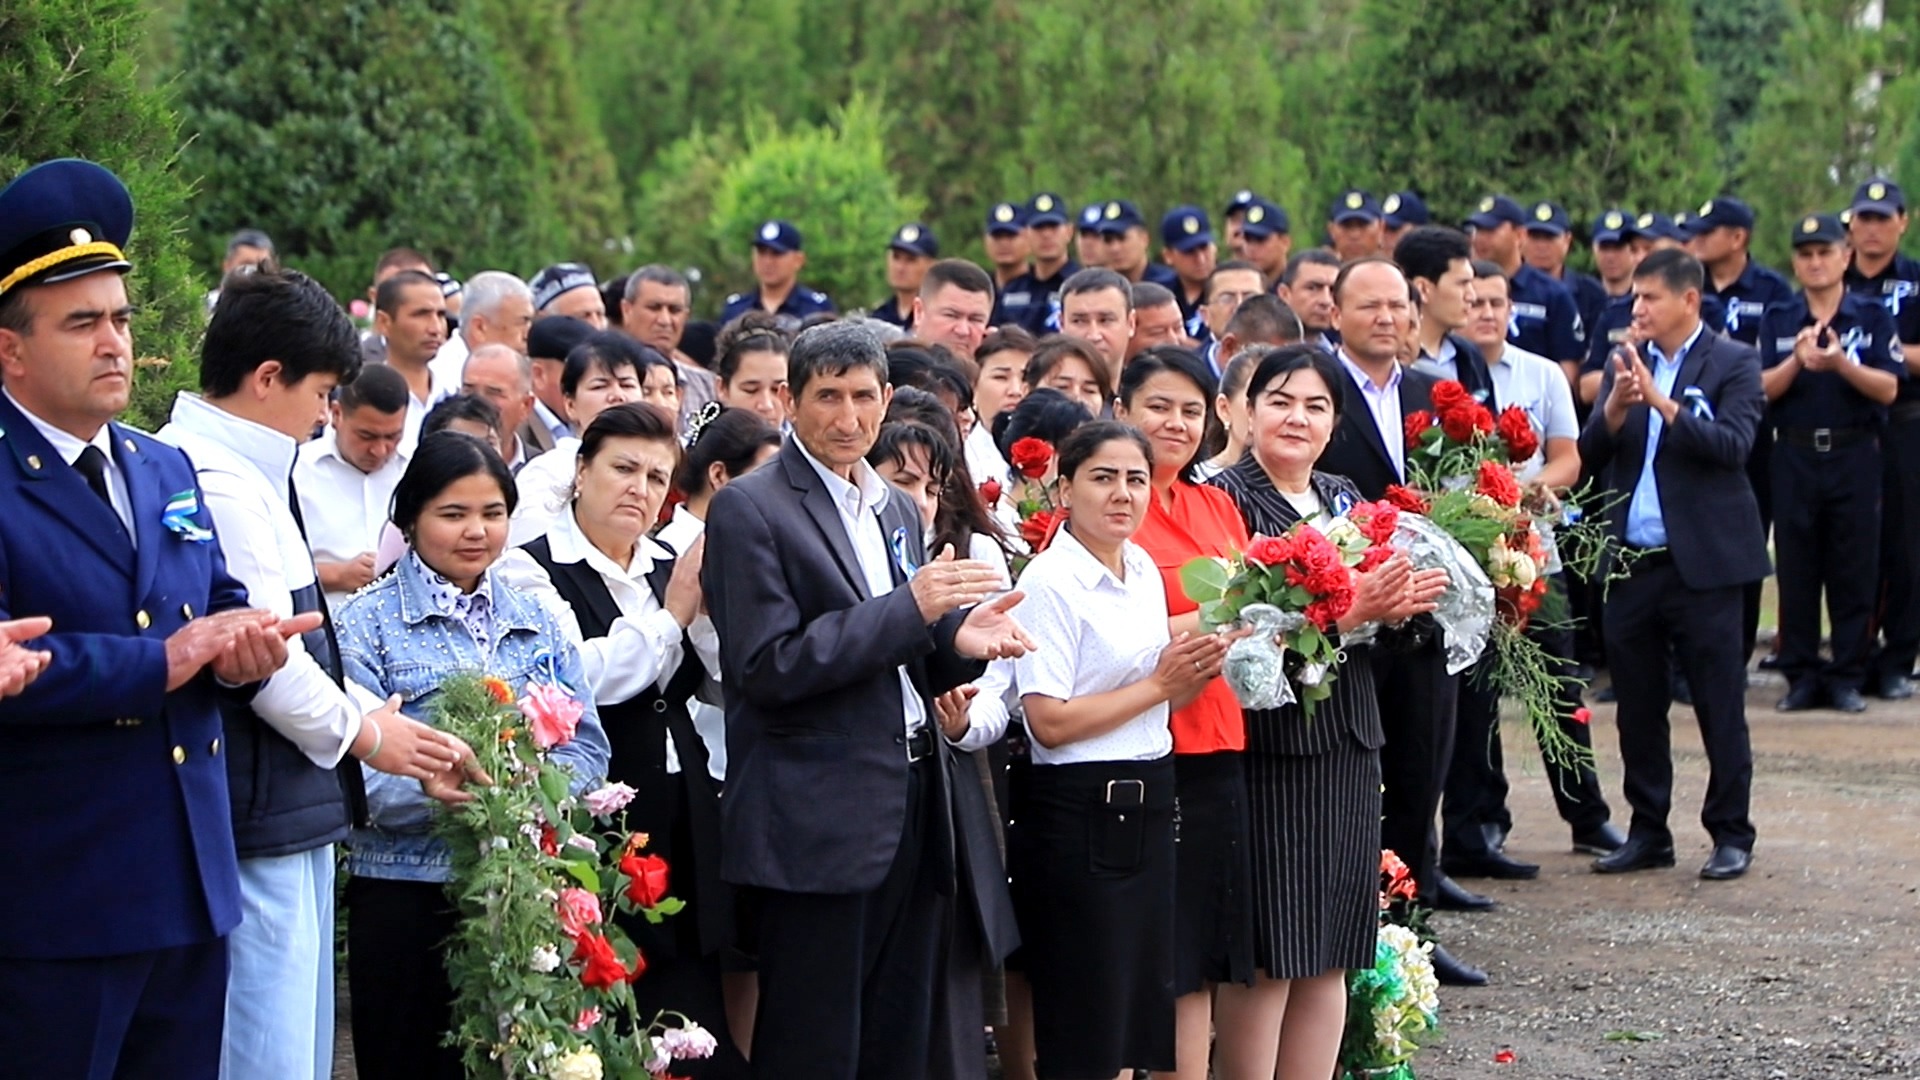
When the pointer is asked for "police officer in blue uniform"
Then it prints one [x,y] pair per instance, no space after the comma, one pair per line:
[1549,241]
[122,879]
[1235,213]
[778,256]
[1876,221]
[1032,300]
[1089,242]
[1829,371]
[1356,226]
[1009,250]
[1125,231]
[912,249]
[1186,239]
[1403,210]
[1266,237]
[1545,318]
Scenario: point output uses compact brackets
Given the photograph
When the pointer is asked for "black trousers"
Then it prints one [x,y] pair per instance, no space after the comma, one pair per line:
[1646,613]
[1476,791]
[147,1014]
[1417,703]
[397,971]
[1760,475]
[1826,537]
[1899,592]
[849,983]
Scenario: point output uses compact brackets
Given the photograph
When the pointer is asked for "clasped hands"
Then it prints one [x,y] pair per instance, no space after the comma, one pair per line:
[1394,592]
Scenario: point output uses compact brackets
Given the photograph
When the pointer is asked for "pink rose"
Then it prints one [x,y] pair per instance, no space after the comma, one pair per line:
[589,1016]
[552,713]
[609,800]
[578,909]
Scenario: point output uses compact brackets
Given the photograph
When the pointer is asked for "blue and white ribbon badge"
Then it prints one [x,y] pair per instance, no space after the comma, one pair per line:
[546,668]
[1342,502]
[178,517]
[1696,402]
[900,553]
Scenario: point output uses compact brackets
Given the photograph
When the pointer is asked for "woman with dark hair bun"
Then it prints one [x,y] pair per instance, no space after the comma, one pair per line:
[444,611]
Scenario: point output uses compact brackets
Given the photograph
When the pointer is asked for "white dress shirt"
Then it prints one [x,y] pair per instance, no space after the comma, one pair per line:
[344,509]
[681,530]
[243,468]
[678,535]
[70,447]
[642,647]
[984,462]
[449,365]
[1096,632]
[859,505]
[1384,403]
[544,484]
[439,388]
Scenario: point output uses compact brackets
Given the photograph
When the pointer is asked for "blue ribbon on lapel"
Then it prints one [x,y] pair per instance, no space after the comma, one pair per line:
[546,667]
[901,554]
[178,517]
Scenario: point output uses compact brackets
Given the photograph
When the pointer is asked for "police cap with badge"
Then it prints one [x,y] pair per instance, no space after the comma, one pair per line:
[1090,217]
[915,238]
[1495,211]
[1613,226]
[1006,218]
[1185,228]
[1549,219]
[1355,205]
[779,237]
[1405,209]
[1264,219]
[1878,196]
[1819,229]
[1045,209]
[61,220]
[1725,212]
[1119,216]
[1241,202]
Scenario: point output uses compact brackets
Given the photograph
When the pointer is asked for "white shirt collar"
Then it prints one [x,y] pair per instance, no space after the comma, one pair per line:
[328,446]
[68,446]
[866,495]
[1088,570]
[266,449]
[569,544]
[1365,380]
[559,428]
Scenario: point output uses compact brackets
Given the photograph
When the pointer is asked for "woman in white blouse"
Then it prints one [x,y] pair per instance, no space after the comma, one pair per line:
[1091,845]
[633,609]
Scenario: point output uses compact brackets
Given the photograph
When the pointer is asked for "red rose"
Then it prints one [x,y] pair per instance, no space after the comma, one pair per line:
[601,969]
[1458,424]
[1324,613]
[1407,499]
[1582,715]
[990,492]
[1416,425]
[1269,551]
[1449,394]
[1516,430]
[646,879]
[1376,520]
[1496,482]
[1320,558]
[549,840]
[1031,456]
[1482,419]
[1037,529]
[1373,557]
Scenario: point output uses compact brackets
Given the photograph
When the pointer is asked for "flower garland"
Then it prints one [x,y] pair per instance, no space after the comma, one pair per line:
[542,976]
[1393,1007]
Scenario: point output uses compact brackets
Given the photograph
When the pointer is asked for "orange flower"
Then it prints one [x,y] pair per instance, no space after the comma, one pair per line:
[497,689]
[507,734]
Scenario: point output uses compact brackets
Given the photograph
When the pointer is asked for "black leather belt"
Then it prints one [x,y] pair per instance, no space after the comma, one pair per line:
[1823,440]
[920,744]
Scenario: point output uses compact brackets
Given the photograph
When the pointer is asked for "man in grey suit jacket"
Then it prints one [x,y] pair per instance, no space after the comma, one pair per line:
[843,816]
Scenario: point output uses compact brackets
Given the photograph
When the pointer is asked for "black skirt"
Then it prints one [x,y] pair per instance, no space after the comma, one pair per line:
[1092,853]
[1314,829]
[1212,905]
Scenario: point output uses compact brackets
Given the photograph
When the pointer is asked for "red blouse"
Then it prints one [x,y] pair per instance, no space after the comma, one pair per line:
[1202,521]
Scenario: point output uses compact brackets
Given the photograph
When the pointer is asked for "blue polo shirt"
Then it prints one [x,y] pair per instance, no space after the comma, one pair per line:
[1029,301]
[1545,319]
[1823,399]
[1746,299]
[1898,288]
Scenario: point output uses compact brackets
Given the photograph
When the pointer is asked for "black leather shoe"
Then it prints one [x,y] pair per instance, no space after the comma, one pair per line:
[1453,971]
[1848,700]
[1728,862]
[1636,854]
[1491,864]
[1804,696]
[1452,897]
[1895,688]
[1604,840]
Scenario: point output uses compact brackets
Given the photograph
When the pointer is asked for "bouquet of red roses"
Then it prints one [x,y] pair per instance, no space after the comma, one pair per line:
[1290,590]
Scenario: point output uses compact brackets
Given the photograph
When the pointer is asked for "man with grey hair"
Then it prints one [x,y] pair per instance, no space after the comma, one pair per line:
[653,311]
[504,377]
[497,309]
[843,818]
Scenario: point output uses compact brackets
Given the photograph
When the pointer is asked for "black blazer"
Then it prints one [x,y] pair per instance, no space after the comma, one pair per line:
[1358,449]
[1470,364]
[1706,501]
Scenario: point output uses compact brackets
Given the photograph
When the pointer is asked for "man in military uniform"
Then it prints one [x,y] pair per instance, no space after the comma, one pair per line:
[1007,245]
[1356,226]
[1031,301]
[1187,246]
[1233,215]
[1126,235]
[1613,256]
[1549,240]
[1402,210]
[778,256]
[1089,243]
[1546,321]
[911,251]
[124,882]
[1266,239]
[1829,370]
[1876,221]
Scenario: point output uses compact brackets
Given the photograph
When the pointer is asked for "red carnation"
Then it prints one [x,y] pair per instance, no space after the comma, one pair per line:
[647,879]
[1458,424]
[1324,613]
[1449,394]
[1416,425]
[602,969]
[1516,430]
[1270,551]
[1407,499]
[990,492]
[1376,520]
[1031,456]
[1496,482]
[1582,715]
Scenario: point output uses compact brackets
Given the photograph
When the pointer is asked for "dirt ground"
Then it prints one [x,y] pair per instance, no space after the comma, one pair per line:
[1803,969]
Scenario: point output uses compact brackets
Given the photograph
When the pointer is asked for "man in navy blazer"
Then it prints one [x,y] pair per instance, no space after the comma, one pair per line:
[120,860]
[1680,406]
[845,815]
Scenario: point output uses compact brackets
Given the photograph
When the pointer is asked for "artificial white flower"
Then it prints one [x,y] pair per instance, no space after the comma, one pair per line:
[688,1041]
[581,1064]
[546,959]
[609,800]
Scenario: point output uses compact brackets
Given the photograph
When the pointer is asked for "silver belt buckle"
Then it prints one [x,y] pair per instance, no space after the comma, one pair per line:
[1822,440]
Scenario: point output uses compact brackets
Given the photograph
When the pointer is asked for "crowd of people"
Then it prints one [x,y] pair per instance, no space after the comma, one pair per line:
[880,614]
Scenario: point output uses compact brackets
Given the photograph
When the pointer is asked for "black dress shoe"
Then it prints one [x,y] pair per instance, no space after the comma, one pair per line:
[1804,695]
[1491,864]
[1728,862]
[1453,971]
[1770,662]
[1848,700]
[1895,687]
[1604,840]
[1450,896]
[1637,853]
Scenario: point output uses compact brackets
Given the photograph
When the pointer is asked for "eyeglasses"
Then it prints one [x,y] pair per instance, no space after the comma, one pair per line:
[1233,298]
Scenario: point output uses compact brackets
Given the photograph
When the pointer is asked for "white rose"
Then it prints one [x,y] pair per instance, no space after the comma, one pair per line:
[581,1064]
[546,959]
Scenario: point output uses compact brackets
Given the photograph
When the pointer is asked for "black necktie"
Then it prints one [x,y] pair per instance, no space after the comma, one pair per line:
[93,465]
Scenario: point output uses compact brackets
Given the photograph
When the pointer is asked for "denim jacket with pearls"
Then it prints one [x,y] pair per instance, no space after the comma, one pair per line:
[395,640]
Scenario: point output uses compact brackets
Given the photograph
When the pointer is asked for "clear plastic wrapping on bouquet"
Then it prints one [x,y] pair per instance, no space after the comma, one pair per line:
[1255,665]
[1465,615]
